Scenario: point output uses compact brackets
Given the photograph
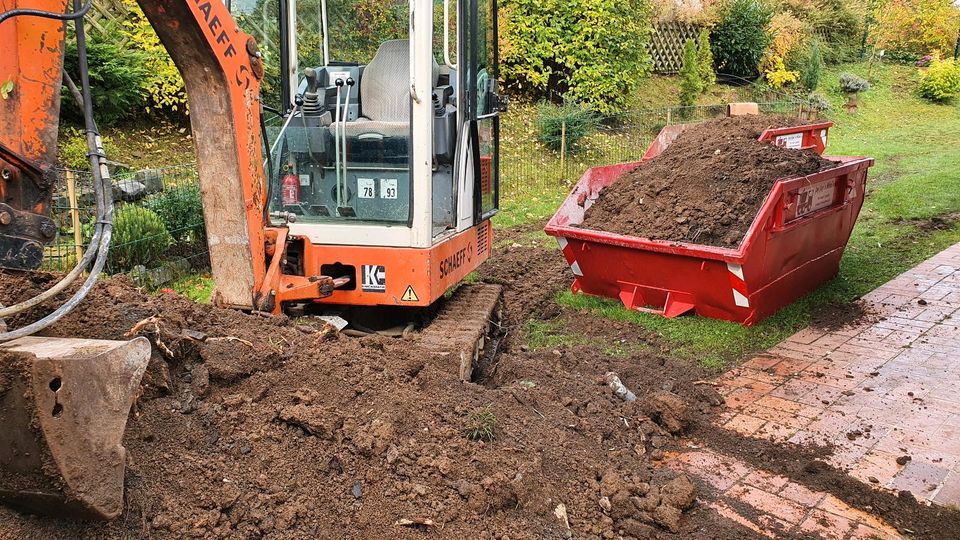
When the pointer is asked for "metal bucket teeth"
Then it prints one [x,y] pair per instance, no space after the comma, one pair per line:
[63,410]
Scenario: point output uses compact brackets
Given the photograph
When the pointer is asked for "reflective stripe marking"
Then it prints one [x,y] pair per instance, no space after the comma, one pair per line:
[738,285]
[562,241]
[740,299]
[736,270]
[576,269]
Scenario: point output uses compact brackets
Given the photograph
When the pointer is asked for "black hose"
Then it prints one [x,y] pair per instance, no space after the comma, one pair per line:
[104,195]
[268,174]
[78,13]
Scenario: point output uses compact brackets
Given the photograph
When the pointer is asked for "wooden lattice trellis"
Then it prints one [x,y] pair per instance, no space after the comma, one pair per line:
[103,13]
[666,45]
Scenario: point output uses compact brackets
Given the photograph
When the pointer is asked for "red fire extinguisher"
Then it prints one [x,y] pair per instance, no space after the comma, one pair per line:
[289,187]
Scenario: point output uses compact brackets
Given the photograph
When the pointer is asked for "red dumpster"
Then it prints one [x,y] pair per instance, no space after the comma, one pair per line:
[793,245]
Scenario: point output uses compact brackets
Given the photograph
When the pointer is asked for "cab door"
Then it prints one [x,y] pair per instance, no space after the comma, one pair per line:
[479,151]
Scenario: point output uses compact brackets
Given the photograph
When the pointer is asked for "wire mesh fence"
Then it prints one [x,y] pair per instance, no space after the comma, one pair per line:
[158,221]
[529,168]
[158,218]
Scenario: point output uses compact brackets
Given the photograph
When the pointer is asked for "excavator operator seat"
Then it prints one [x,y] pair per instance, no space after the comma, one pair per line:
[385,93]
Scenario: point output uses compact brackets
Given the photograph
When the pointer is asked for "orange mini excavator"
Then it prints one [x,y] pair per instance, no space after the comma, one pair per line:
[373,186]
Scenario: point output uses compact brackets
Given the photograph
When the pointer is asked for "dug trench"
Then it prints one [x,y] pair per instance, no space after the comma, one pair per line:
[267,427]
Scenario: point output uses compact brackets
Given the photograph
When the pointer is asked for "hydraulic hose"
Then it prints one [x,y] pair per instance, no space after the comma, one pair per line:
[78,13]
[88,254]
[104,195]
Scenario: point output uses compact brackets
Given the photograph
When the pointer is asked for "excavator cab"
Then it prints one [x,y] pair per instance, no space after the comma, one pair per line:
[383,162]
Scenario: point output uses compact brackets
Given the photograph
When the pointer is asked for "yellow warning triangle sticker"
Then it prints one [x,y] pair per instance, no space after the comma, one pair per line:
[410,295]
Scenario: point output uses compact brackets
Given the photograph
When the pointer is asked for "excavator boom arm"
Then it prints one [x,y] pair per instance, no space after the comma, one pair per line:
[221,68]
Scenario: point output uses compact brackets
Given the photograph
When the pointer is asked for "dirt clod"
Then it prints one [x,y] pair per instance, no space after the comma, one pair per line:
[679,493]
[668,410]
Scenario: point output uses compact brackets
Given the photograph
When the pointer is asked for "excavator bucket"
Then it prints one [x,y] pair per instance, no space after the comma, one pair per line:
[63,410]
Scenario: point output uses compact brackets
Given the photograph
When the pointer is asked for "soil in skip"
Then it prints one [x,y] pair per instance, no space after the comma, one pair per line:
[706,187]
[267,427]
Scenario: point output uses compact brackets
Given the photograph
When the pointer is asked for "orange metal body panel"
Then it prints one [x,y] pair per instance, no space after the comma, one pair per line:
[31,58]
[222,72]
[427,272]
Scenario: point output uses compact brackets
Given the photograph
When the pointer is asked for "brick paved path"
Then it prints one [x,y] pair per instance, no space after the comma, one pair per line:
[882,389]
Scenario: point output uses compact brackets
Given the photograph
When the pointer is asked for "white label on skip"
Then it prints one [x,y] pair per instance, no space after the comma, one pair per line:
[815,197]
[793,141]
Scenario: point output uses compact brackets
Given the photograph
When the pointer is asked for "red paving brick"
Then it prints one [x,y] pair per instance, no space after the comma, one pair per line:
[894,379]
[875,391]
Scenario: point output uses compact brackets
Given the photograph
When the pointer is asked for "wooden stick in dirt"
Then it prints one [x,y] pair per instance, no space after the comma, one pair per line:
[74,214]
[563,149]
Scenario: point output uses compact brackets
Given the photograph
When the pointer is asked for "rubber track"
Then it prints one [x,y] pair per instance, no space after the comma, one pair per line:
[460,328]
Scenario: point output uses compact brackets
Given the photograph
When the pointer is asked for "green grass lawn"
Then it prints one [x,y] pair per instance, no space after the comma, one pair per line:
[916,178]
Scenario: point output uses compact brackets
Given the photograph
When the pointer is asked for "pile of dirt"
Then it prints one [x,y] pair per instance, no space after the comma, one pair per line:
[266,427]
[706,187]
[253,426]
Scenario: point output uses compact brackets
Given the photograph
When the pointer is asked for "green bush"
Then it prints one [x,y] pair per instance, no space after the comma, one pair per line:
[839,23]
[592,51]
[163,87]
[118,76]
[139,238]
[73,149]
[705,60]
[852,84]
[941,82]
[690,83]
[740,38]
[812,68]
[181,210]
[570,119]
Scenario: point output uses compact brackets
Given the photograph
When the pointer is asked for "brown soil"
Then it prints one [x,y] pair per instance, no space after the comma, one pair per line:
[297,435]
[833,317]
[706,187]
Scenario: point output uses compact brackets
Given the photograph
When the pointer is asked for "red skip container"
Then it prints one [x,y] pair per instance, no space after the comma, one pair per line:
[793,245]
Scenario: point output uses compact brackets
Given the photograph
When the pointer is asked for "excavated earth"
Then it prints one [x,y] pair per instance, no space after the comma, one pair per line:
[265,427]
[706,187]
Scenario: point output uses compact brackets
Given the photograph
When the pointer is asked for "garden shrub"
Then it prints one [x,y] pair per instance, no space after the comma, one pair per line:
[941,82]
[591,51]
[852,84]
[909,29]
[690,84]
[839,24]
[181,210]
[705,60]
[118,76]
[73,149]
[812,68]
[818,102]
[164,86]
[579,122]
[139,238]
[740,38]
[787,35]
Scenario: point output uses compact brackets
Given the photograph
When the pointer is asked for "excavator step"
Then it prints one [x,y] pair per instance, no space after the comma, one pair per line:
[64,404]
[461,327]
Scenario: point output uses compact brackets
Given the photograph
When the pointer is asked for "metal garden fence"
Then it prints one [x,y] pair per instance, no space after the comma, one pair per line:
[168,196]
[532,169]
